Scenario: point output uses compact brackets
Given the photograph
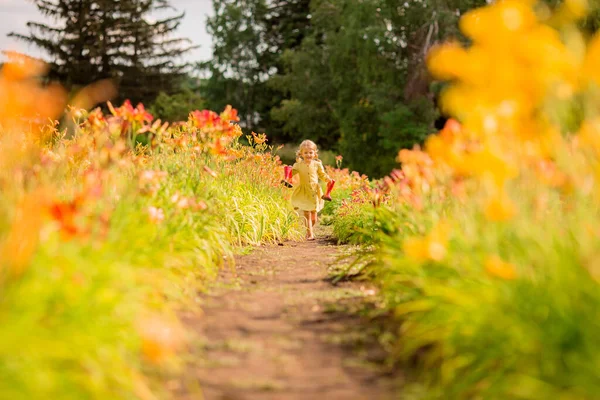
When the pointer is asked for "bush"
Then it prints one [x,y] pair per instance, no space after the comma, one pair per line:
[176,107]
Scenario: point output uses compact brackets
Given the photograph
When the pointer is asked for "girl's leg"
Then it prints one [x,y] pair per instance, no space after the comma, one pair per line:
[313,217]
[309,230]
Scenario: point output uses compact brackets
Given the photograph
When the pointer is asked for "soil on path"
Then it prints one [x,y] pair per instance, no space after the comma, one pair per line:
[276,328]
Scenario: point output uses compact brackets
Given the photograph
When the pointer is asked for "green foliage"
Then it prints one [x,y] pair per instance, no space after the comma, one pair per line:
[309,83]
[78,307]
[248,39]
[176,107]
[353,217]
[348,77]
[351,77]
[355,225]
[331,207]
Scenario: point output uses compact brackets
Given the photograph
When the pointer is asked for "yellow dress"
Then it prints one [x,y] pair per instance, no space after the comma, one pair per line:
[307,194]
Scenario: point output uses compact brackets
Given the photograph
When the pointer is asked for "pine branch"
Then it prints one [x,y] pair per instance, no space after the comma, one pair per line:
[48,8]
[44,28]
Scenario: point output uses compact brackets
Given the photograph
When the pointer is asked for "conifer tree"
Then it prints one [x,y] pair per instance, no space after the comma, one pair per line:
[66,38]
[89,40]
[148,62]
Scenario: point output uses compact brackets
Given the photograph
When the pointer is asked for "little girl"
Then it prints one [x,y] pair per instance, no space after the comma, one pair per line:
[307,194]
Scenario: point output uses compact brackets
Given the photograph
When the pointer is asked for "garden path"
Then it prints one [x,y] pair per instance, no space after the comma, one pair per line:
[276,328]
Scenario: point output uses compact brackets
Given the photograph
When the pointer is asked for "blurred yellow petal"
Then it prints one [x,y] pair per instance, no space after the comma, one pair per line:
[499,268]
[589,134]
[436,251]
[447,61]
[577,8]
[500,208]
[493,23]
[416,248]
[591,64]
[93,94]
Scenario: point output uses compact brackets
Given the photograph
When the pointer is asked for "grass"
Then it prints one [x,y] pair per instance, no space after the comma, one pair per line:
[522,328]
[487,309]
[101,248]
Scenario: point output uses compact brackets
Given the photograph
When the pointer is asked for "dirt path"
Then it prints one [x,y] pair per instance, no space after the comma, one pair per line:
[273,330]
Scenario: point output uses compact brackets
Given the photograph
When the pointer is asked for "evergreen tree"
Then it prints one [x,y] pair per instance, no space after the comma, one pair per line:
[147,59]
[95,39]
[68,39]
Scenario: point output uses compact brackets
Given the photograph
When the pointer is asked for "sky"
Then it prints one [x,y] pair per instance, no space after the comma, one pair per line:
[14,15]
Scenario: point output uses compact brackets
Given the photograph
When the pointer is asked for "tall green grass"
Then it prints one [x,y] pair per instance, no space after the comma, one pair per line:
[95,317]
[468,332]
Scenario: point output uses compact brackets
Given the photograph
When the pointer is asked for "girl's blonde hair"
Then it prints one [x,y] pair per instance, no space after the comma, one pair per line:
[311,145]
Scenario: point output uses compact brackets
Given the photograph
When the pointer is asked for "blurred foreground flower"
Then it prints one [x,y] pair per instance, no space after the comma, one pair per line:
[161,337]
[25,103]
[431,247]
[499,268]
[185,202]
[18,246]
[30,106]
[149,181]
[500,208]
[156,215]
[66,214]
[210,171]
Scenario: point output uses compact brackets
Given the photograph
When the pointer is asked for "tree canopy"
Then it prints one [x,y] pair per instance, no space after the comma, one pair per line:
[348,74]
[249,37]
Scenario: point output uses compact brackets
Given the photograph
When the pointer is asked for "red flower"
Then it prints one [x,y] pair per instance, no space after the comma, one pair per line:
[205,118]
[230,114]
[130,114]
[65,214]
